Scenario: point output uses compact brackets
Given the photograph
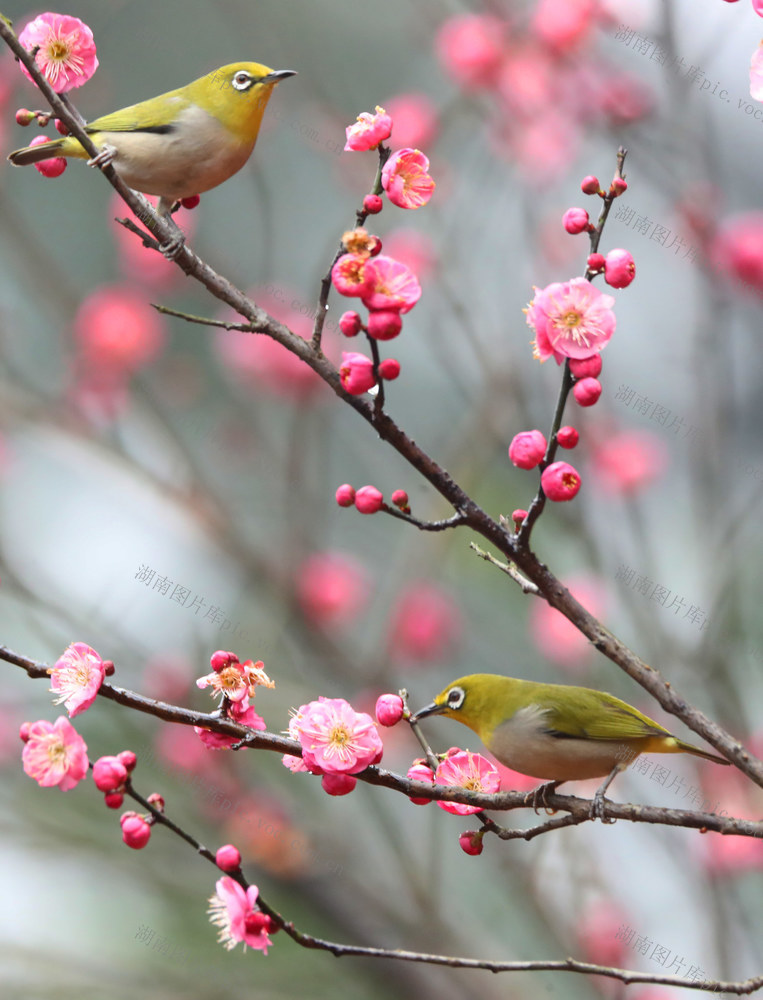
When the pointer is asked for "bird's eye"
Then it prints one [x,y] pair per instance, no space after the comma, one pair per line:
[455,697]
[242,80]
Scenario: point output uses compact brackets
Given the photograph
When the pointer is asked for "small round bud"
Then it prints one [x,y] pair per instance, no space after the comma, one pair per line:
[595,262]
[518,516]
[384,324]
[389,369]
[419,771]
[374,246]
[589,367]
[25,731]
[338,784]
[527,449]
[389,709]
[61,128]
[575,220]
[618,186]
[567,437]
[136,832]
[345,495]
[221,660]
[590,185]
[350,323]
[191,201]
[25,117]
[368,500]
[128,758]
[560,481]
[372,204]
[52,167]
[619,268]
[113,800]
[399,498]
[470,842]
[109,774]
[587,391]
[228,858]
[157,801]
[109,668]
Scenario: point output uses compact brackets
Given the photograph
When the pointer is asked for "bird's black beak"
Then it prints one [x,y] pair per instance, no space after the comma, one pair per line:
[277,75]
[433,709]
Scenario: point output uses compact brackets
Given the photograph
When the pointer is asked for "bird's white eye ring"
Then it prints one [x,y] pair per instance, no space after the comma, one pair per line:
[242,80]
[456,697]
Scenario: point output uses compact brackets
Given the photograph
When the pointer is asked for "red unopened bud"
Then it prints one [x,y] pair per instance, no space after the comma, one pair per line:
[419,771]
[61,127]
[399,498]
[345,495]
[350,323]
[567,437]
[590,185]
[587,391]
[527,449]
[589,367]
[372,204]
[384,324]
[618,186]
[619,268]
[575,220]
[221,660]
[24,116]
[518,516]
[136,832]
[228,858]
[374,246]
[595,262]
[470,842]
[389,709]
[389,369]
[191,201]
[337,783]
[560,481]
[368,500]
[113,800]
[128,758]
[109,774]
[157,801]
[24,731]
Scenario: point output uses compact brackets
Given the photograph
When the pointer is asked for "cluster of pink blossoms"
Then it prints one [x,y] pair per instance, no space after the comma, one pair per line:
[573,322]
[235,683]
[337,743]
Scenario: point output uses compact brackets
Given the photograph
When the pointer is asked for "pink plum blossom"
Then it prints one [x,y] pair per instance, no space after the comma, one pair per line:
[527,449]
[232,909]
[55,754]
[66,50]
[560,481]
[356,373]
[335,738]
[389,285]
[467,770]
[349,274]
[406,180]
[571,319]
[368,131]
[76,677]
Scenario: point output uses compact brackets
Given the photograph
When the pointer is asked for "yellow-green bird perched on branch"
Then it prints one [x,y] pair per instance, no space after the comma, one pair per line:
[555,731]
[181,143]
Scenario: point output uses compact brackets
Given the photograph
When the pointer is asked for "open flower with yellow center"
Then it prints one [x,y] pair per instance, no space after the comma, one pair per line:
[65,50]
[470,771]
[571,319]
[334,737]
[76,677]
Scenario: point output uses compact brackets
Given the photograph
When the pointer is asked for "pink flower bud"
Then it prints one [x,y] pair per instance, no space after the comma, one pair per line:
[587,391]
[136,832]
[356,373]
[368,500]
[113,800]
[560,481]
[191,201]
[389,709]
[60,127]
[24,116]
[109,774]
[590,185]
[384,324]
[389,369]
[470,842]
[108,668]
[228,858]
[52,167]
[345,495]
[157,801]
[567,437]
[575,220]
[221,660]
[372,204]
[618,186]
[595,262]
[420,772]
[518,516]
[619,268]
[25,731]
[374,246]
[527,449]
[586,367]
[128,758]
[350,323]
[338,783]
[399,498]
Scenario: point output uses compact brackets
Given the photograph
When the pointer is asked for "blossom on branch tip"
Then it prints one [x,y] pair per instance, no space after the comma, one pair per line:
[232,909]
[55,754]
[368,131]
[389,285]
[65,50]
[571,319]
[228,858]
[356,373]
[560,481]
[76,677]
[467,770]
[335,738]
[406,180]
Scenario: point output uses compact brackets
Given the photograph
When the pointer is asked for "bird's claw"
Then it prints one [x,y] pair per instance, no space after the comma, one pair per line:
[173,246]
[538,795]
[597,808]
[104,157]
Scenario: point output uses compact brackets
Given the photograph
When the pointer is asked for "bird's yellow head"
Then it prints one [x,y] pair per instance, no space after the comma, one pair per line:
[470,700]
[237,94]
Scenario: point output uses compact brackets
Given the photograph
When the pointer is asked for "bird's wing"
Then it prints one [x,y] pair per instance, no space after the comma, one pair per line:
[142,117]
[600,716]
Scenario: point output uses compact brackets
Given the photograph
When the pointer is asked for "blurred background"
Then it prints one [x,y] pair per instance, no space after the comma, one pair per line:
[140,454]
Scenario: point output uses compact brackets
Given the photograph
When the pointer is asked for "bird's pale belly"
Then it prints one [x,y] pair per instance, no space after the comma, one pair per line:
[523,746]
